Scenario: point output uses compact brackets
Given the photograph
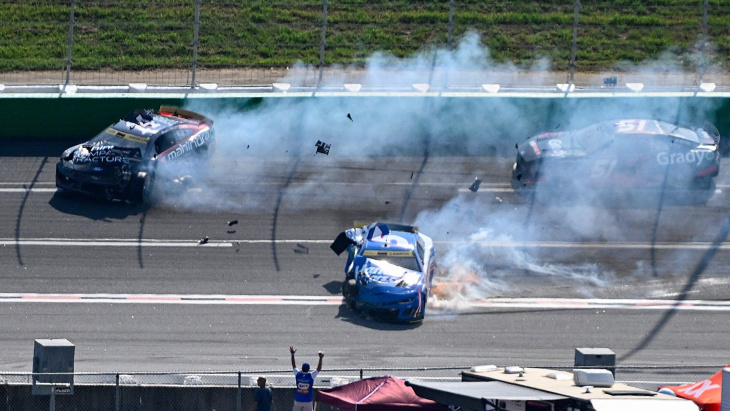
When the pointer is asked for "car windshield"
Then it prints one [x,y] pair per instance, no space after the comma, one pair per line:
[407,262]
[113,136]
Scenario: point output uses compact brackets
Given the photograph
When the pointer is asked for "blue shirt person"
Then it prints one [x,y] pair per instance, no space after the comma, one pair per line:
[304,396]
[263,396]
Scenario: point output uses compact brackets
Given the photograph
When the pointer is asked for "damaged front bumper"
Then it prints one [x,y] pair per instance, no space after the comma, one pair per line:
[97,186]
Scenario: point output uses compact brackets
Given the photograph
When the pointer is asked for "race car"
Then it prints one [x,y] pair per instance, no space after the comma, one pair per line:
[389,270]
[630,154]
[123,161]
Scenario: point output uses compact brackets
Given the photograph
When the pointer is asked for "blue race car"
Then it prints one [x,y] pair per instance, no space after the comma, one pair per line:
[389,270]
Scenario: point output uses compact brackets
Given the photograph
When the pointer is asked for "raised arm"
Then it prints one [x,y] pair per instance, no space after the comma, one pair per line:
[293,361]
[319,365]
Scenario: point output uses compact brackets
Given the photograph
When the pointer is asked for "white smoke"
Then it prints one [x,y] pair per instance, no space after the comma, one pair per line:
[478,241]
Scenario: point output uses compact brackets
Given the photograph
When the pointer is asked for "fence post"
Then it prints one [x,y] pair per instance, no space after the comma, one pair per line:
[196,30]
[69,52]
[703,41]
[117,396]
[450,37]
[574,45]
[238,396]
[323,40]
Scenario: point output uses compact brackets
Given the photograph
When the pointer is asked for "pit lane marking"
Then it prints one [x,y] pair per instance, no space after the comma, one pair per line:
[435,309]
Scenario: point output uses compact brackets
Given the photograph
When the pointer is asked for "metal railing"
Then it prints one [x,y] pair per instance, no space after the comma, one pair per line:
[231,43]
[233,390]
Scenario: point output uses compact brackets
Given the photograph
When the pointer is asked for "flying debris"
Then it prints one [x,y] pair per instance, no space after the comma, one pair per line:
[203,240]
[475,185]
[301,249]
[247,146]
[232,223]
[349,116]
[322,147]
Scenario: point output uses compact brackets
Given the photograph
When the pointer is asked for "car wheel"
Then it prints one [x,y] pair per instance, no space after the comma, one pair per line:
[349,292]
[148,194]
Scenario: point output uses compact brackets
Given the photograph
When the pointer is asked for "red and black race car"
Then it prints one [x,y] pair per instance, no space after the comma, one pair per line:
[632,154]
[123,161]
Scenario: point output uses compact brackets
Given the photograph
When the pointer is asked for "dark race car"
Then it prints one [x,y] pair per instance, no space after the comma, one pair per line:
[389,270]
[123,161]
[635,156]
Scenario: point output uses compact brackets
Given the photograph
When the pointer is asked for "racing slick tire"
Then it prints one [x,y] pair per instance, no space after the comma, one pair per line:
[142,190]
[149,196]
[349,292]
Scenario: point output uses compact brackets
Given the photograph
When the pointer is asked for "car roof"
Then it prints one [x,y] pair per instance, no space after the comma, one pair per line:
[651,127]
[158,124]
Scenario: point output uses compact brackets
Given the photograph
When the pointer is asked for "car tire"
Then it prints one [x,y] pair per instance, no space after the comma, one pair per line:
[349,292]
[148,195]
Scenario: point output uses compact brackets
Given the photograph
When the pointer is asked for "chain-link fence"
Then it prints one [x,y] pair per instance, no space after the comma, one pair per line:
[234,390]
[315,42]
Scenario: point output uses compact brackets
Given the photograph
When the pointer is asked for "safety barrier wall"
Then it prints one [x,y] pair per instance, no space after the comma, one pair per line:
[227,390]
[61,116]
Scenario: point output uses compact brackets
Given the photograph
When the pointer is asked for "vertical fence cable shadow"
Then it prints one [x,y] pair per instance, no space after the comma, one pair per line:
[139,238]
[696,273]
[426,151]
[22,208]
[412,187]
[277,207]
[660,206]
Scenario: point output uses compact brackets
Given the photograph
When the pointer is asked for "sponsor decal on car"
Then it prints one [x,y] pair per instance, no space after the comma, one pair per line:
[102,154]
[372,253]
[695,157]
[190,145]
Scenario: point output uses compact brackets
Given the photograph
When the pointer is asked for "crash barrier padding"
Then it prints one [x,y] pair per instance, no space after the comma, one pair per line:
[505,120]
[140,398]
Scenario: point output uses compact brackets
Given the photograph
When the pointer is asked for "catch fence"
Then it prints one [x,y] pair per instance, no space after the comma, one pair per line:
[234,390]
[313,43]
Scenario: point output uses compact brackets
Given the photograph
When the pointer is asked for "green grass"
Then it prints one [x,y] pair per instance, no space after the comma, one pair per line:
[134,35]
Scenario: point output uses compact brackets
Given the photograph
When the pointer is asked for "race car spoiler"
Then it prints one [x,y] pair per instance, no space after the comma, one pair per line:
[183,113]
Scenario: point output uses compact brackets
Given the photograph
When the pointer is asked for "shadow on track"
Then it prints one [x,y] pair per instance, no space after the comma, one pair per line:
[19,219]
[696,273]
[346,314]
[93,209]
[277,208]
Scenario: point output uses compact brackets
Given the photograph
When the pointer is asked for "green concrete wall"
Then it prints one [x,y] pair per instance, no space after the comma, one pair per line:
[81,117]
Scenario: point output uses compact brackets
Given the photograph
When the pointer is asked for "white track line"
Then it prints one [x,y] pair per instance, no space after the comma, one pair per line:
[198,299]
[129,242]
[115,243]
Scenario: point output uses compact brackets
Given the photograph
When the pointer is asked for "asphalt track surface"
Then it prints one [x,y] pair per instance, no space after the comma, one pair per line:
[134,290]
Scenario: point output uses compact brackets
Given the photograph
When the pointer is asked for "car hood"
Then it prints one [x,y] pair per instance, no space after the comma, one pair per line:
[100,155]
[556,144]
[375,273]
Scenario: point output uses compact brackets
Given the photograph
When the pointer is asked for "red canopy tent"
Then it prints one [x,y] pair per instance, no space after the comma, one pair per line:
[706,394]
[374,394]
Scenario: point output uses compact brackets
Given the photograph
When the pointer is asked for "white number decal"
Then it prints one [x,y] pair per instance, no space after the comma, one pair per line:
[603,168]
[557,147]
[627,126]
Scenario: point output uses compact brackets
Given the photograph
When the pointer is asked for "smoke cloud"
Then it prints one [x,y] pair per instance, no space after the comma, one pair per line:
[479,242]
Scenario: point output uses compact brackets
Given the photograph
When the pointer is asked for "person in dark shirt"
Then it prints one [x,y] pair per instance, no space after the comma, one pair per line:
[263,397]
[304,397]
